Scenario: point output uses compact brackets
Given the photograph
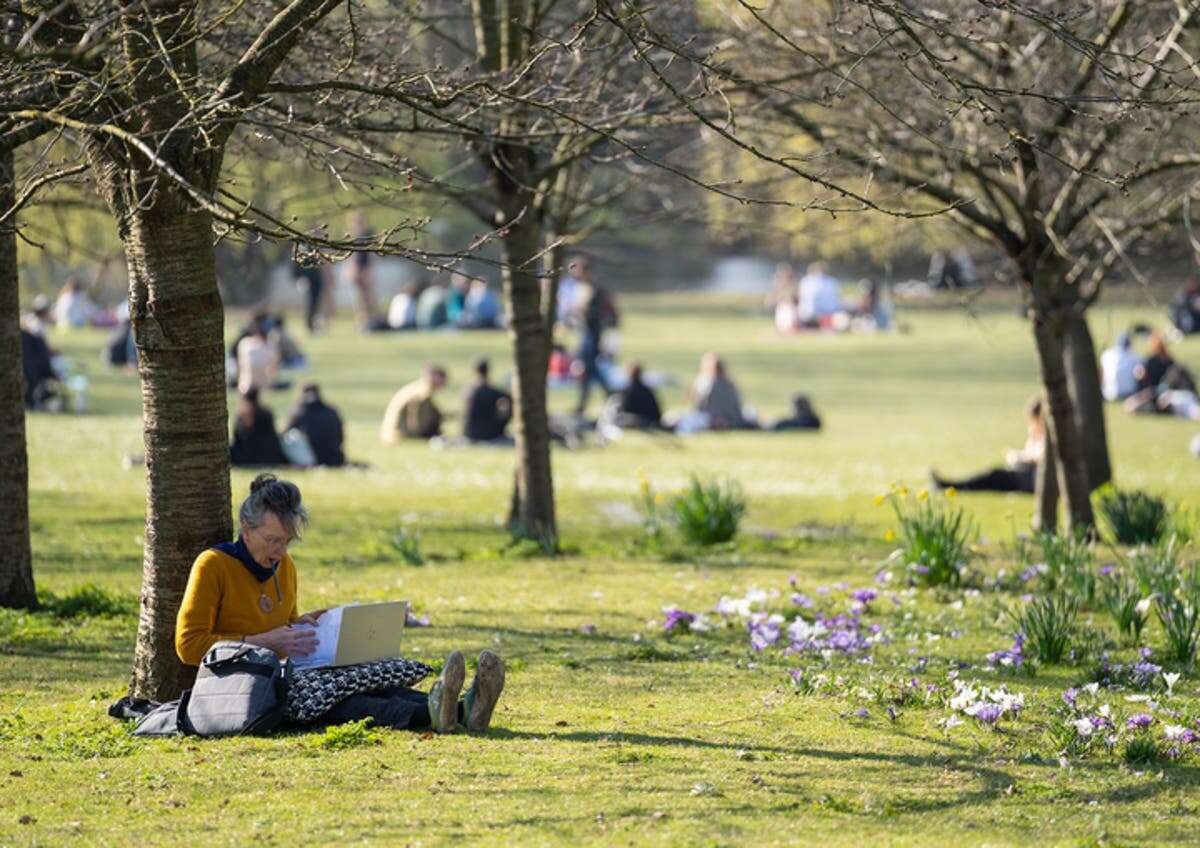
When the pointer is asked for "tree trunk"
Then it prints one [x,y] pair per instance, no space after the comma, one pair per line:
[178,324]
[1049,331]
[1083,380]
[1045,492]
[532,513]
[552,268]
[16,559]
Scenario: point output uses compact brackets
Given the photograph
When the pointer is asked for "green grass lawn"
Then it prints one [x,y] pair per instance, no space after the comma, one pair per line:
[610,731]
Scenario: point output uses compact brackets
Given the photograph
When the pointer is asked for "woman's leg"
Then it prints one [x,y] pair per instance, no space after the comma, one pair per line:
[399,708]
[995,480]
[395,711]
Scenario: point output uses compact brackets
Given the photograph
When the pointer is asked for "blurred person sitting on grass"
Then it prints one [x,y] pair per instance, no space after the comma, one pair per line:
[247,591]
[255,441]
[487,410]
[321,425]
[803,416]
[1020,465]
[636,406]
[716,399]
[412,414]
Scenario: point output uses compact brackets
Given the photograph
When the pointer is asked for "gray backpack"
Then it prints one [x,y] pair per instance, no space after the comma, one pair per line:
[240,689]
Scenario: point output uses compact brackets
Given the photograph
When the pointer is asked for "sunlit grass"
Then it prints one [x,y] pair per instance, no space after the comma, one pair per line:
[609,731]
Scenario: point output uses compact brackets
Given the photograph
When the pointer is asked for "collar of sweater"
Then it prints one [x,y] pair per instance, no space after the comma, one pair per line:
[241,553]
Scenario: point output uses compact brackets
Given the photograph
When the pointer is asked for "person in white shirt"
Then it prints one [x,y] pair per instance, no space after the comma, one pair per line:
[570,289]
[402,313]
[1118,367]
[257,362]
[819,296]
[73,308]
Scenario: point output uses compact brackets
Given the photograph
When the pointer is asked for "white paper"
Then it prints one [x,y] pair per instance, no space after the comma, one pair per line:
[327,628]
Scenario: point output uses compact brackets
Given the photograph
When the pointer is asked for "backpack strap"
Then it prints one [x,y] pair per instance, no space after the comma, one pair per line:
[238,658]
[182,722]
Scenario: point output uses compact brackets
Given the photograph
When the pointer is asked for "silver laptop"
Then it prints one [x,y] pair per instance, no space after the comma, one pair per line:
[370,632]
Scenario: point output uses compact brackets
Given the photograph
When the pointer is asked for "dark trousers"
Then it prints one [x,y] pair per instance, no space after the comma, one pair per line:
[400,708]
[1019,479]
[315,288]
[589,355]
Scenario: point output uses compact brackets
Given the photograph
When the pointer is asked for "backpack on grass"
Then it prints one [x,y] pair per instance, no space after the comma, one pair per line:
[240,690]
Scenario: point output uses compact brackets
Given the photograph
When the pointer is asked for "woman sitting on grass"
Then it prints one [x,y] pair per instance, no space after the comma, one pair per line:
[246,591]
[1019,473]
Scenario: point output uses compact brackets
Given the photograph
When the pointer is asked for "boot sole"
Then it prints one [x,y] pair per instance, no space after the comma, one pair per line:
[453,675]
[489,684]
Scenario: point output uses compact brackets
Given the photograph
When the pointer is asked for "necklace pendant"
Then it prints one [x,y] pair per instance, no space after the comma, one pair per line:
[265,603]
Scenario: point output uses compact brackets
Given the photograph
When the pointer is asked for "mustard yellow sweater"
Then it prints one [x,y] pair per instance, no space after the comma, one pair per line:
[222,602]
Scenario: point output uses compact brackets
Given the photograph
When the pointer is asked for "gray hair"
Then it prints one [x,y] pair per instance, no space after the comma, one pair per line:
[270,494]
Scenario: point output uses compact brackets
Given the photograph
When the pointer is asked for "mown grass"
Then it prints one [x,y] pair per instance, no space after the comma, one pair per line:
[609,731]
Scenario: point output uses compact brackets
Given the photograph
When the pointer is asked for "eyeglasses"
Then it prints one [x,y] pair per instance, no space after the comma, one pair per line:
[277,541]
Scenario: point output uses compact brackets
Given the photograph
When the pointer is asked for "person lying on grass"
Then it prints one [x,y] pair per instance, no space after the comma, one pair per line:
[245,591]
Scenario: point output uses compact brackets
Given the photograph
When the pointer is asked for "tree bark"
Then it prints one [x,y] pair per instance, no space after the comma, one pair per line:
[553,264]
[178,324]
[1083,380]
[1045,493]
[16,559]
[1049,329]
[532,513]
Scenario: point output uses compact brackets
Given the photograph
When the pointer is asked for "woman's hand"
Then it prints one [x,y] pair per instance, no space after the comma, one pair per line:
[289,640]
[311,617]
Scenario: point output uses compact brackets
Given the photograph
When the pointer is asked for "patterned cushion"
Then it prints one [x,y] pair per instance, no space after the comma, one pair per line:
[314,691]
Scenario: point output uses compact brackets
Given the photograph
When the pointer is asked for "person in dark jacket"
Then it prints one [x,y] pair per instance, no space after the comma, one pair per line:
[321,424]
[255,441]
[803,416]
[1154,367]
[637,407]
[487,409]
[41,383]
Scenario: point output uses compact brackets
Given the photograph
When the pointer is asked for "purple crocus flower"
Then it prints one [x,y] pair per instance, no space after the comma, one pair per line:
[1106,570]
[1139,721]
[1069,697]
[677,618]
[987,712]
[764,630]
[1013,657]
[864,596]
[803,601]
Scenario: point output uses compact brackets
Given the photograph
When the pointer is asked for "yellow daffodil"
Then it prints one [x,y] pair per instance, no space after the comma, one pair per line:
[951,492]
[879,499]
[923,495]
[889,536]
